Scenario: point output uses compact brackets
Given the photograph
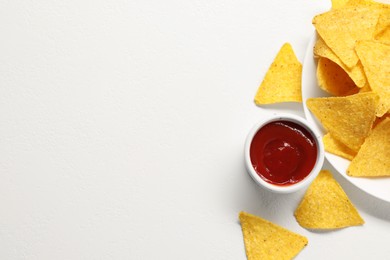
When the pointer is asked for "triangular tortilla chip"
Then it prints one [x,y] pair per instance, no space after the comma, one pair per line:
[356,73]
[375,58]
[333,146]
[373,158]
[348,119]
[282,82]
[266,240]
[341,28]
[326,206]
[333,79]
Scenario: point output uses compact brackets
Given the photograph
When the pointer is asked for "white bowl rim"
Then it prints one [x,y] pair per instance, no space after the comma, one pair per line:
[271,117]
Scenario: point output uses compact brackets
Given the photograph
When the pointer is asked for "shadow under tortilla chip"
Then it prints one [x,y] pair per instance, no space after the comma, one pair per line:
[373,158]
[356,73]
[341,28]
[375,58]
[282,82]
[333,146]
[266,240]
[348,119]
[333,79]
[365,88]
[326,206]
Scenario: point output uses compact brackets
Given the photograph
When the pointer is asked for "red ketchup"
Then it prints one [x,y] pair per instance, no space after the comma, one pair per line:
[283,152]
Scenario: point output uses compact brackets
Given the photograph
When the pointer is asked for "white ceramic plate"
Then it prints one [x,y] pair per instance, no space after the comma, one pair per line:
[377,187]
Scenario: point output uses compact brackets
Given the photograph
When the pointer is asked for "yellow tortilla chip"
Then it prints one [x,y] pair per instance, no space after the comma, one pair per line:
[382,30]
[339,3]
[282,82]
[265,240]
[326,206]
[333,79]
[341,28]
[375,58]
[356,73]
[373,158]
[367,3]
[348,119]
[333,146]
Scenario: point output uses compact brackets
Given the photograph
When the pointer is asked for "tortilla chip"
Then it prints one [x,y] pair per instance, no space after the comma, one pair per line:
[282,82]
[326,206]
[333,79]
[375,58]
[265,240]
[339,3]
[348,119]
[382,29]
[356,73]
[373,158]
[333,146]
[341,28]
[366,3]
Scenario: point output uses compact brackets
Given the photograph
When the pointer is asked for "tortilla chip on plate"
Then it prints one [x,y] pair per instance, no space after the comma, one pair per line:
[382,30]
[375,58]
[266,240]
[348,119]
[333,79]
[326,206]
[373,158]
[339,3]
[341,28]
[333,146]
[282,82]
[367,3]
[356,73]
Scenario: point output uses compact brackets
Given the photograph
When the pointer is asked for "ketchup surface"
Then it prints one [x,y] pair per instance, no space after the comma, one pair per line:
[283,152]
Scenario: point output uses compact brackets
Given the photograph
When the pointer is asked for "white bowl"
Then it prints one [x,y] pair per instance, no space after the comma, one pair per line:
[271,117]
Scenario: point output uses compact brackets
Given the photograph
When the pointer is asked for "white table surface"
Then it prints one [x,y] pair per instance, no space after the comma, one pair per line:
[123,124]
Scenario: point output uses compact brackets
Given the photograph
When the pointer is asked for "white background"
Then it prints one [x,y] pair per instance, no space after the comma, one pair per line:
[122,125]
